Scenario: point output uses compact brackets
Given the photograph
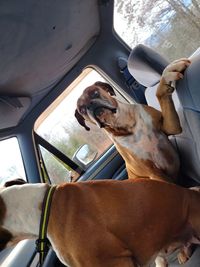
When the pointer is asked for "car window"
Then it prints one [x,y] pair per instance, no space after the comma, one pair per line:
[56,170]
[170,27]
[11,166]
[59,127]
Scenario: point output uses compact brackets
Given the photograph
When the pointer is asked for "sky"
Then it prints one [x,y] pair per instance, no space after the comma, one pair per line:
[10,156]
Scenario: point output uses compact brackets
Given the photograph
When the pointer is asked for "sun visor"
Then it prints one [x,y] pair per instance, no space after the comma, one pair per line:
[12,110]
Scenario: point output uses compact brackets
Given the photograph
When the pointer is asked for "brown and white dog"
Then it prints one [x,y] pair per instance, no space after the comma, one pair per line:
[139,132]
[104,223]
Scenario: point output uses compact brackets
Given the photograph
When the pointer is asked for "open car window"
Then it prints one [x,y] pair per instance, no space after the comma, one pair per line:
[170,27]
[11,166]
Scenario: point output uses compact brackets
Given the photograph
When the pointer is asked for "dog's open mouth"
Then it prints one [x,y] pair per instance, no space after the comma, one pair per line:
[101,115]
[99,111]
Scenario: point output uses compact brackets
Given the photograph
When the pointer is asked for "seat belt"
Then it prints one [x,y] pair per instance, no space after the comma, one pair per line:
[136,89]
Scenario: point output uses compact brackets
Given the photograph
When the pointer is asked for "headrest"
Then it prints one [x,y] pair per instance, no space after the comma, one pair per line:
[188,87]
[146,65]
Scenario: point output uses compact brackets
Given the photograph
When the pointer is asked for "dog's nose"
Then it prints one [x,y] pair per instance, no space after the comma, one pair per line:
[92,106]
[99,111]
[95,109]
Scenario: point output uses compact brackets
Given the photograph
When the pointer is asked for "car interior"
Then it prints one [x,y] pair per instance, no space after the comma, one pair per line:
[51,50]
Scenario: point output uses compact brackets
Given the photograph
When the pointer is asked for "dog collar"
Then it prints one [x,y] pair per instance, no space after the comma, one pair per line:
[42,243]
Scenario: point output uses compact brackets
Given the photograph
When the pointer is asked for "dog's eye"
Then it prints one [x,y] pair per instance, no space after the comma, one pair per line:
[82,110]
[94,94]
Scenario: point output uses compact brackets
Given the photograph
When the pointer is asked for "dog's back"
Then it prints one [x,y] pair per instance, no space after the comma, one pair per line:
[111,219]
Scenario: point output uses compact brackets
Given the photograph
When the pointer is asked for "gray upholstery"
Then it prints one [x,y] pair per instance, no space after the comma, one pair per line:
[188,91]
[18,255]
[10,114]
[40,42]
[143,61]
[143,66]
[189,87]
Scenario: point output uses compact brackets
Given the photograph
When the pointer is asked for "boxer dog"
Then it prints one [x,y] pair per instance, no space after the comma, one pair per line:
[104,223]
[139,132]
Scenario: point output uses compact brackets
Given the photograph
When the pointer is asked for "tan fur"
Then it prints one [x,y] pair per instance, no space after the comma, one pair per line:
[121,223]
[109,223]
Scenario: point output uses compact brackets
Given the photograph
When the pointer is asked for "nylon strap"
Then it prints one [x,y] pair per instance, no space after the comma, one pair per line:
[42,243]
[136,89]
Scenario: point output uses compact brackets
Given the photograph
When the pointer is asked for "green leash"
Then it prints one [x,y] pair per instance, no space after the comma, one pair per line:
[42,243]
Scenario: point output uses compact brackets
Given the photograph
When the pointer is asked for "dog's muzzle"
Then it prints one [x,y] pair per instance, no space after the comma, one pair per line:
[96,108]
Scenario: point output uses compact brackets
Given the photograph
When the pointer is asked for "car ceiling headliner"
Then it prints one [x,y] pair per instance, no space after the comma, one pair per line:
[40,42]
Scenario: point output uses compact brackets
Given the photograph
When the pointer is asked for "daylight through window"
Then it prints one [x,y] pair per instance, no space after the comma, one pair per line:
[170,27]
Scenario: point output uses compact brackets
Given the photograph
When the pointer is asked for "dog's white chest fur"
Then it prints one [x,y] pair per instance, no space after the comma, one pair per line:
[23,216]
[146,142]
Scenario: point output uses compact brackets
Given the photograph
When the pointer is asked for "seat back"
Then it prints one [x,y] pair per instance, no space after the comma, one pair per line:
[188,91]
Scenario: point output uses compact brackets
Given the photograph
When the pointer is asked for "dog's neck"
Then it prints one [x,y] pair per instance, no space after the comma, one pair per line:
[23,205]
[120,125]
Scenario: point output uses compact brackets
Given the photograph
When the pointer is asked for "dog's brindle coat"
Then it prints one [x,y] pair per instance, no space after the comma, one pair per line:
[104,223]
[139,132]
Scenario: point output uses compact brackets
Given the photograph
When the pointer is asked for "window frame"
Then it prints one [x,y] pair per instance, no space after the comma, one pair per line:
[55,152]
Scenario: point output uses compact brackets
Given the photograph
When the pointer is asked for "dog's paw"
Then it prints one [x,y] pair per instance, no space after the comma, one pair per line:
[174,71]
[184,254]
[160,262]
[195,188]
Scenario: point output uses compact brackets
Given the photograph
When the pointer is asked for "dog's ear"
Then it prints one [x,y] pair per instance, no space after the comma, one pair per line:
[106,87]
[5,237]
[18,181]
[81,120]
